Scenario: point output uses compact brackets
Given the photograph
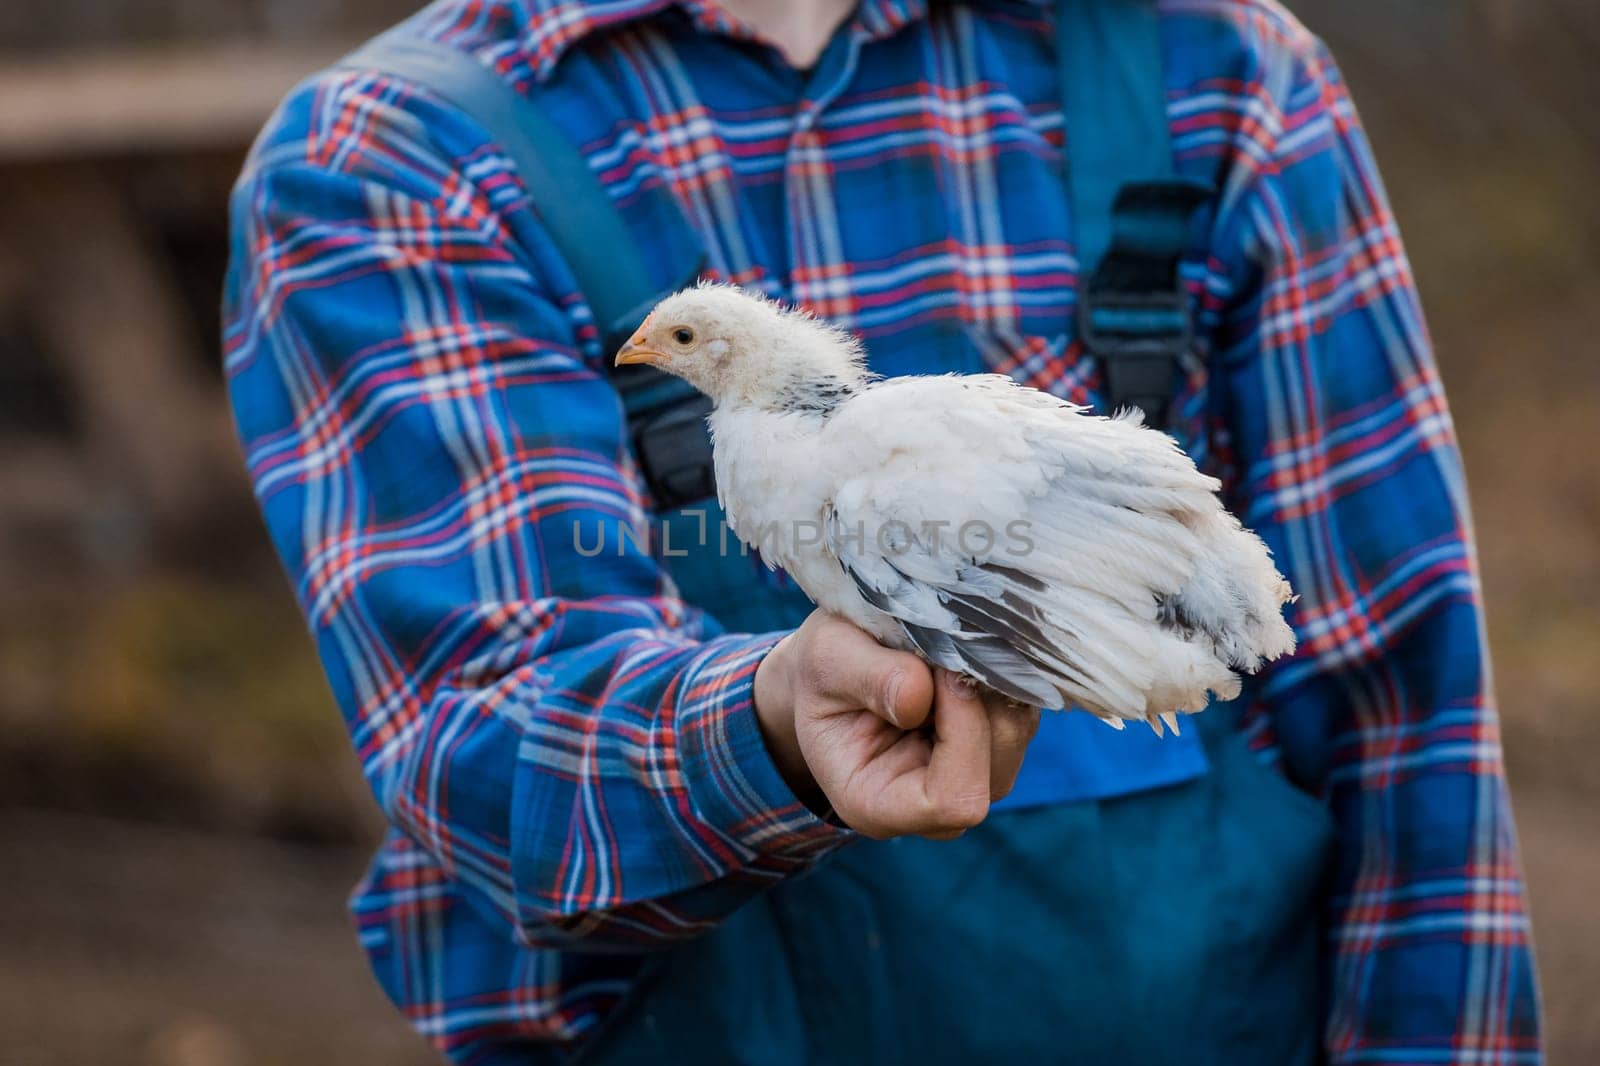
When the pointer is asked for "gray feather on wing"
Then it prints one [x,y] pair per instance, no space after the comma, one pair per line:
[962,614]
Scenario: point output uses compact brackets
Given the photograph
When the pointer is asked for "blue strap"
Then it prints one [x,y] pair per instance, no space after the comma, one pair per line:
[574,207]
[1112,89]
[665,416]
[1129,207]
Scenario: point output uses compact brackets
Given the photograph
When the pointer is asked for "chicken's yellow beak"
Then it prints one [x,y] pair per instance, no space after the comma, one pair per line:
[635,351]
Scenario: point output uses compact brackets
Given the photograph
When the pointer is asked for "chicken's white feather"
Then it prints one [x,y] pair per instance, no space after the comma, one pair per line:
[1059,557]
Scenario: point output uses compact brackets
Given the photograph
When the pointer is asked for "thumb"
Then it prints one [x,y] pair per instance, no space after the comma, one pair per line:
[894,685]
[908,700]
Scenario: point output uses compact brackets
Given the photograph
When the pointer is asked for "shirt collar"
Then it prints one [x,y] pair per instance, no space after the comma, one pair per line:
[554,26]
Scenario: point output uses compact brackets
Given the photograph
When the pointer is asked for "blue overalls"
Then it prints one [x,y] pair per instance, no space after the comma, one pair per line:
[1135,899]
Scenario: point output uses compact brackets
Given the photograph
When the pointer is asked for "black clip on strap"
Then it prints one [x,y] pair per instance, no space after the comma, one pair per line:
[666,416]
[1134,315]
[674,451]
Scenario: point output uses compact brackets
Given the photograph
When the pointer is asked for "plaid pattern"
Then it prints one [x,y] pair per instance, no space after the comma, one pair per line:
[566,753]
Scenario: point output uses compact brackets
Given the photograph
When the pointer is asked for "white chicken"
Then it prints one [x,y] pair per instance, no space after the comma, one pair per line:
[1057,557]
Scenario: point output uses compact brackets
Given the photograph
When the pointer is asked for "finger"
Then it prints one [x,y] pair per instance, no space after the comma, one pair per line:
[1011,728]
[957,781]
[857,672]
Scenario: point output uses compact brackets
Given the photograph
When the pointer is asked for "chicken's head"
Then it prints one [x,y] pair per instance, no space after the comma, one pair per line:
[739,347]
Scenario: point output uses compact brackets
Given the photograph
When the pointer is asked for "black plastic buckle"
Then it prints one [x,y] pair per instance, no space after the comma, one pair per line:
[674,450]
[1134,314]
[1139,338]
[666,416]
[667,425]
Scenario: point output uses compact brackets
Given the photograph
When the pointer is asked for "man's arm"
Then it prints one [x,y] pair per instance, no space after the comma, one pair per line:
[437,465]
[1347,465]
[566,739]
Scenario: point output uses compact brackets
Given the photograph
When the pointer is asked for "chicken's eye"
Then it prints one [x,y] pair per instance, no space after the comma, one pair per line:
[683,335]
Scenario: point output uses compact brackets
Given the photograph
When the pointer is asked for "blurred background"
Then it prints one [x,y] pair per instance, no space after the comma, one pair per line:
[180,818]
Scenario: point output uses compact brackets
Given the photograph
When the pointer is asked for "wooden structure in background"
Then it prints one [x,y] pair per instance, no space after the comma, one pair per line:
[80,272]
[104,104]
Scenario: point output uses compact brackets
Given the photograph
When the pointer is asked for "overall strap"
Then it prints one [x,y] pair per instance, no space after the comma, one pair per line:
[666,417]
[574,207]
[1130,208]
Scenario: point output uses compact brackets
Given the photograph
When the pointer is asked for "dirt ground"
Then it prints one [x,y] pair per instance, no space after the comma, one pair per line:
[123,942]
[1563,866]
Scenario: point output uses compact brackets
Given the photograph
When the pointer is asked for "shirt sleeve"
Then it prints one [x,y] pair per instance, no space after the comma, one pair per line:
[447,482]
[1345,461]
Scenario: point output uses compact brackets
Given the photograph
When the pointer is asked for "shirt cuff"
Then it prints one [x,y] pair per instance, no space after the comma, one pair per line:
[732,782]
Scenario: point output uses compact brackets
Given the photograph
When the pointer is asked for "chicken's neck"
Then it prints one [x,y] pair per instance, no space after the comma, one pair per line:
[816,376]
[805,367]
[803,387]
[817,396]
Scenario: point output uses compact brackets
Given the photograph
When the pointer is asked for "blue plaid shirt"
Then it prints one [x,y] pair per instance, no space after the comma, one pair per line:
[567,754]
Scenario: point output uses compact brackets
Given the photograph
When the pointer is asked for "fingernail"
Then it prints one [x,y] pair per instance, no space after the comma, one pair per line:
[893,690]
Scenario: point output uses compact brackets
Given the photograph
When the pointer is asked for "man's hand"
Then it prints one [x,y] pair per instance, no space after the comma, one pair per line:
[844,718]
